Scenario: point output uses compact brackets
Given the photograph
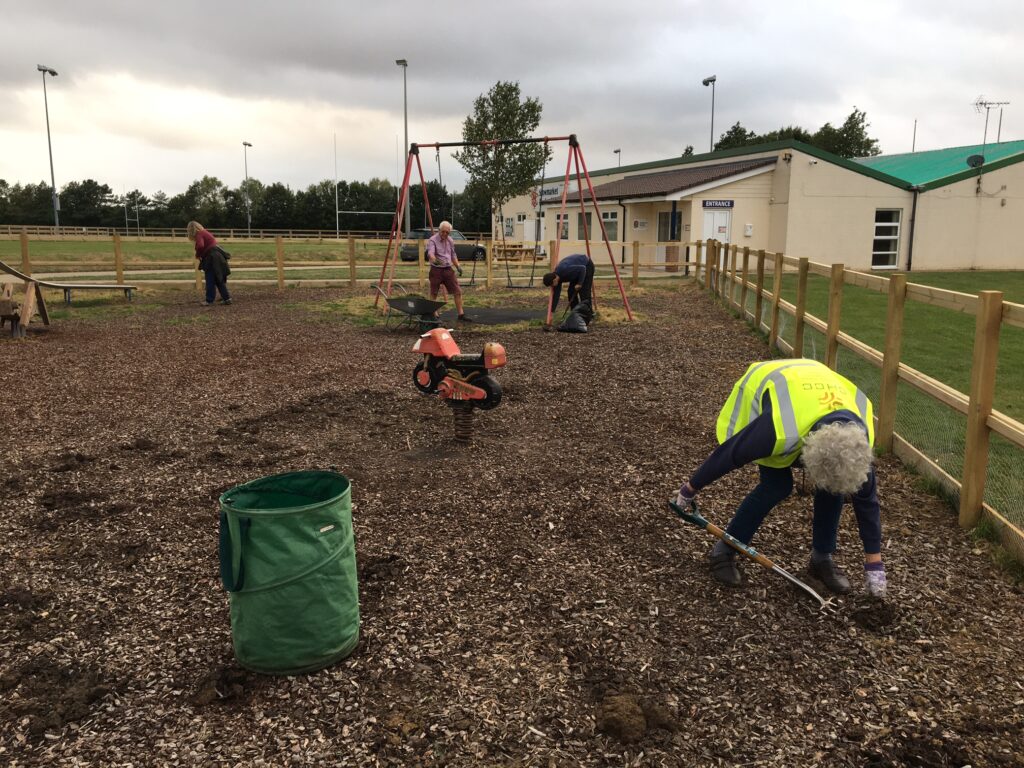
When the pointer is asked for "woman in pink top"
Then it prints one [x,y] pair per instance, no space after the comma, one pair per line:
[213,260]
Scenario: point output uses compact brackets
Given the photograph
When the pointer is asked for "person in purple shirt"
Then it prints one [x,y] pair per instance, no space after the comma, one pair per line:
[444,263]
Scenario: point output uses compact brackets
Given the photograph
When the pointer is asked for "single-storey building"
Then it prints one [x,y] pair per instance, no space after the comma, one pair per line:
[943,209]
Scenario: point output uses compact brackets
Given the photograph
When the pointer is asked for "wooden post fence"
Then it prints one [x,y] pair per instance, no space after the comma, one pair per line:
[801,307]
[983,386]
[636,265]
[733,288]
[351,262]
[696,269]
[744,277]
[118,261]
[886,410]
[420,265]
[773,334]
[490,264]
[26,265]
[553,257]
[759,298]
[835,306]
[279,243]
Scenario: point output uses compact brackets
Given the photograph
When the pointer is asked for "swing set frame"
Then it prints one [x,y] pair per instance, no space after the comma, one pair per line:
[575,158]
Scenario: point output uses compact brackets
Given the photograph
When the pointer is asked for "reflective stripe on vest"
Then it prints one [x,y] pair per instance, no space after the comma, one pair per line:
[802,392]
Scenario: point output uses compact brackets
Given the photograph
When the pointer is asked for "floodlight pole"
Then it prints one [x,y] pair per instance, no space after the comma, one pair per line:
[404,64]
[618,153]
[711,81]
[248,207]
[53,182]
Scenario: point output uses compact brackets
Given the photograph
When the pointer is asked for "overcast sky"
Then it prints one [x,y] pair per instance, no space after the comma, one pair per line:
[154,95]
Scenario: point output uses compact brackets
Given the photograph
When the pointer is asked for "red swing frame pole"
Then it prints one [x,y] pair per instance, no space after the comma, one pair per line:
[559,220]
[575,150]
[413,150]
[395,227]
[604,234]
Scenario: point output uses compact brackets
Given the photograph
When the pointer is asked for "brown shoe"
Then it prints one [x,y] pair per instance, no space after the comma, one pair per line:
[725,571]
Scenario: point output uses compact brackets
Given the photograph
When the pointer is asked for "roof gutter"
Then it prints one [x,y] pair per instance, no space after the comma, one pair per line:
[913,220]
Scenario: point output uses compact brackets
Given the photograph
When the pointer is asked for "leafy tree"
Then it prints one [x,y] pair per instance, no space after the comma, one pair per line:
[850,139]
[503,171]
[314,206]
[688,151]
[789,132]
[275,207]
[737,136]
[440,204]
[472,209]
[86,203]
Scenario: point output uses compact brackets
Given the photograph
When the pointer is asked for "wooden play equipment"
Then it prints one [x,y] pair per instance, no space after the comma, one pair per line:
[583,182]
[32,301]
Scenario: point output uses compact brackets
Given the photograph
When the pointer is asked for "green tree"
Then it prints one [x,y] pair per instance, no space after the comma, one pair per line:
[87,204]
[314,206]
[848,140]
[503,171]
[275,207]
[472,209]
[736,136]
[788,132]
[688,151]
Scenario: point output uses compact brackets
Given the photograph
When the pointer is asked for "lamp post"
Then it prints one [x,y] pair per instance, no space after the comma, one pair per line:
[248,209]
[404,64]
[53,183]
[619,153]
[711,81]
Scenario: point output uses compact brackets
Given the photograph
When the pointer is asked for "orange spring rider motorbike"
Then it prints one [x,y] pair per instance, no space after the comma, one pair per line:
[446,372]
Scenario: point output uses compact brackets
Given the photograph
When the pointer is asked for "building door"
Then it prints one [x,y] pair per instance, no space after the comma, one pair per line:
[718,226]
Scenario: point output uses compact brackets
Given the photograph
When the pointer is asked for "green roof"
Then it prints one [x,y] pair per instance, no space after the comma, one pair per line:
[926,168]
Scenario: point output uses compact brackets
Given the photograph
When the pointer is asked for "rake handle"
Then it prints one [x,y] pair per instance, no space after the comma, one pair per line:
[695,518]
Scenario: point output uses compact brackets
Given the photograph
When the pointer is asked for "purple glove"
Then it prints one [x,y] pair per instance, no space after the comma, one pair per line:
[874,579]
[686,496]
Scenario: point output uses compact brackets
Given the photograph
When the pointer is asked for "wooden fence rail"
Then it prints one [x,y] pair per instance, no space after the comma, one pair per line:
[989,309]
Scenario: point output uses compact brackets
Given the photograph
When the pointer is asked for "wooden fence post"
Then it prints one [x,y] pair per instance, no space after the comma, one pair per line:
[759,297]
[553,255]
[26,265]
[421,246]
[886,409]
[745,275]
[696,269]
[351,262]
[489,257]
[636,264]
[983,386]
[733,288]
[118,261]
[773,334]
[279,241]
[801,307]
[835,306]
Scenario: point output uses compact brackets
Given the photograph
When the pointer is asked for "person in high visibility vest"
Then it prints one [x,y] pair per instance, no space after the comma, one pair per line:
[798,412]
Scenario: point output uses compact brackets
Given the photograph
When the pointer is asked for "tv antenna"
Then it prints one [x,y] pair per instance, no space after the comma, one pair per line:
[982,103]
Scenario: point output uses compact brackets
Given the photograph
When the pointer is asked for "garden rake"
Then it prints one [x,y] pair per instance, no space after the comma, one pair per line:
[695,518]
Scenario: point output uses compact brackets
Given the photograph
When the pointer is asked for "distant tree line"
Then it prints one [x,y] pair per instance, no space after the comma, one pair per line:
[272,206]
[848,140]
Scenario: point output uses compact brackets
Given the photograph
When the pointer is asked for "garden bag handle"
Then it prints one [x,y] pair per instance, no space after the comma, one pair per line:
[232,532]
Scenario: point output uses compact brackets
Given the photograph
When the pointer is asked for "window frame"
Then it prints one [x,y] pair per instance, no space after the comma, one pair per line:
[895,239]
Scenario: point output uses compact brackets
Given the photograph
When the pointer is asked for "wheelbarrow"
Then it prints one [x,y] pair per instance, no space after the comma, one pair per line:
[410,310]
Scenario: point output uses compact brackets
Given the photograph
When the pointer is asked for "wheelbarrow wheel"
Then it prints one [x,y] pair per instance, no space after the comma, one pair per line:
[490,385]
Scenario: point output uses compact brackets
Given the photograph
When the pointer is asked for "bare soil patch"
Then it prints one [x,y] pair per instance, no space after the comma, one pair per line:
[526,599]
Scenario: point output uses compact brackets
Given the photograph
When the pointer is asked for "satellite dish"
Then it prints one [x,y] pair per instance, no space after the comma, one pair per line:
[976,161]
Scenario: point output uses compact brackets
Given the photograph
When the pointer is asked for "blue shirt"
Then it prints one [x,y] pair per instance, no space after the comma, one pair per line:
[571,271]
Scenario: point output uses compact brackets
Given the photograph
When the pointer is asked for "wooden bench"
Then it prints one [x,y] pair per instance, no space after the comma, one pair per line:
[33,301]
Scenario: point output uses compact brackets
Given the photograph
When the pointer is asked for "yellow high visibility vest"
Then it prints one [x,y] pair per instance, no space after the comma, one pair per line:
[801,391]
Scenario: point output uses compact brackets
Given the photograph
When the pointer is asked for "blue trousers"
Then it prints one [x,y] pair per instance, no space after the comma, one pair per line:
[777,484]
[212,287]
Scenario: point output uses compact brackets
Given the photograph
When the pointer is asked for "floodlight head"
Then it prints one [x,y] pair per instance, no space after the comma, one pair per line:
[246,144]
[616,151]
[44,68]
[402,62]
[709,80]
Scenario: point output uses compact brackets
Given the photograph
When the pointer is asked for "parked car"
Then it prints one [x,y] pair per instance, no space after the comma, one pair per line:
[465,249]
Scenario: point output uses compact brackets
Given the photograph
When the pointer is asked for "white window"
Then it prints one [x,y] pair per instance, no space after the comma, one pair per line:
[562,224]
[885,248]
[611,224]
[582,233]
[509,226]
[520,218]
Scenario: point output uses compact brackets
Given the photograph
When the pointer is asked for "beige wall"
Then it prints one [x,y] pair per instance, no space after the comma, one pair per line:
[750,206]
[831,213]
[959,229]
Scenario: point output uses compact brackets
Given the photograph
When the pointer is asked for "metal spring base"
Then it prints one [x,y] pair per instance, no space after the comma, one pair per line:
[463,416]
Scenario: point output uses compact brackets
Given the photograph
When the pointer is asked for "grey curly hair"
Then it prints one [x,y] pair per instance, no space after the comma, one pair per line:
[837,457]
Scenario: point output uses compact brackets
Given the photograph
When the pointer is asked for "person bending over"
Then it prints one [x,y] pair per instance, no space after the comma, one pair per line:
[444,263]
[212,261]
[577,272]
[797,412]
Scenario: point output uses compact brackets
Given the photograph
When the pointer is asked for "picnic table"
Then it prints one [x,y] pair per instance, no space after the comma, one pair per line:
[32,302]
[515,252]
